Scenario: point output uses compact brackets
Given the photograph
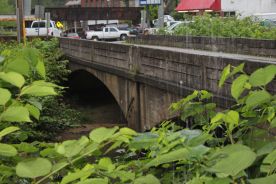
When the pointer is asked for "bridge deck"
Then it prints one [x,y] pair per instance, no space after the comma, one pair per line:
[244,57]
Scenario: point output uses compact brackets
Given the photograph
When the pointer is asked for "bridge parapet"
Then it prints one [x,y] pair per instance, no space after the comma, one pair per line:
[116,55]
[178,70]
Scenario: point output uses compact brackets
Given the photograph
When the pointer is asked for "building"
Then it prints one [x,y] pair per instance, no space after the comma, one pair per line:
[102,3]
[248,7]
[107,5]
[73,3]
[241,8]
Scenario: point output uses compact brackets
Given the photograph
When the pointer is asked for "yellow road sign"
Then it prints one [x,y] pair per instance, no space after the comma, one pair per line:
[59,25]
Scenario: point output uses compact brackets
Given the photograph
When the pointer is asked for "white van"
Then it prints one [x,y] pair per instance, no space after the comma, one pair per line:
[39,28]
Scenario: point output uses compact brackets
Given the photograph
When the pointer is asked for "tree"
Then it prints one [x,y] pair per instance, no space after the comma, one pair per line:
[170,5]
[6,7]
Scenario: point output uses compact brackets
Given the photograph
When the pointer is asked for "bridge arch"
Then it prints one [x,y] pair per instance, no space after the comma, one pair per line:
[92,89]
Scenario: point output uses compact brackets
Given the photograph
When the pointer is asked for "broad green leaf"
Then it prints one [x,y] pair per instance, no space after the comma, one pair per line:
[237,69]
[209,180]
[236,158]
[143,141]
[38,91]
[101,134]
[148,179]
[33,168]
[8,130]
[31,55]
[270,158]
[238,86]
[72,148]
[34,102]
[266,149]
[49,152]
[41,69]
[265,180]
[5,96]
[256,98]
[16,114]
[269,163]
[218,117]
[13,78]
[7,150]
[94,181]
[18,65]
[224,75]
[33,111]
[263,76]
[219,181]
[178,105]
[26,148]
[232,119]
[58,165]
[6,171]
[125,176]
[127,131]
[44,83]
[273,123]
[182,154]
[270,113]
[106,164]
[205,95]
[75,176]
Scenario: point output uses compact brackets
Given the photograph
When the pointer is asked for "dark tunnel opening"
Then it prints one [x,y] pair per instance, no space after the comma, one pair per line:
[91,97]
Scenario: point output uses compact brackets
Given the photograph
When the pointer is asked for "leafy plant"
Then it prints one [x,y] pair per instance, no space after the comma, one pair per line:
[225,27]
[56,115]
[243,153]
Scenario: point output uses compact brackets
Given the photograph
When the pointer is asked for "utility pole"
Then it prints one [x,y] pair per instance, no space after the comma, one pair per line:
[108,11]
[20,21]
[161,14]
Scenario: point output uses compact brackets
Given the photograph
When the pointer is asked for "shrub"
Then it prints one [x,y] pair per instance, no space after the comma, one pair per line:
[226,27]
[168,154]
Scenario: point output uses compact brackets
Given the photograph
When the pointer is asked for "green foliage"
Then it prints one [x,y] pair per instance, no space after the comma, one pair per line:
[168,154]
[225,27]
[55,116]
[6,7]
[33,168]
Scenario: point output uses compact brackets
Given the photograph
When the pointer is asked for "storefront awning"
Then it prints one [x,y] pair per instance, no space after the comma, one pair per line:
[192,5]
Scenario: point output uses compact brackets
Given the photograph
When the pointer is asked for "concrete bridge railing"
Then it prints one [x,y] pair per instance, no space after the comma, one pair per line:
[156,76]
[250,46]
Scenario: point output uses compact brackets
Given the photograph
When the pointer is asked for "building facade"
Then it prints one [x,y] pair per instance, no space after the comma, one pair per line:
[109,3]
[248,7]
[242,8]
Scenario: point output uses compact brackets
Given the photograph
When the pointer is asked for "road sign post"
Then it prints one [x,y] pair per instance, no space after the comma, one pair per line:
[48,17]
[20,21]
[160,3]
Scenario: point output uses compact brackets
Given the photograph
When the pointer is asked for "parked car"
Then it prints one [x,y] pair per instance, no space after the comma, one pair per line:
[169,29]
[167,18]
[80,32]
[72,35]
[107,33]
[39,28]
[132,31]
[176,25]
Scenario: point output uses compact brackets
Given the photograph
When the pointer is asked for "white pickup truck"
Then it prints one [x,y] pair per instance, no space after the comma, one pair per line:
[39,28]
[107,33]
